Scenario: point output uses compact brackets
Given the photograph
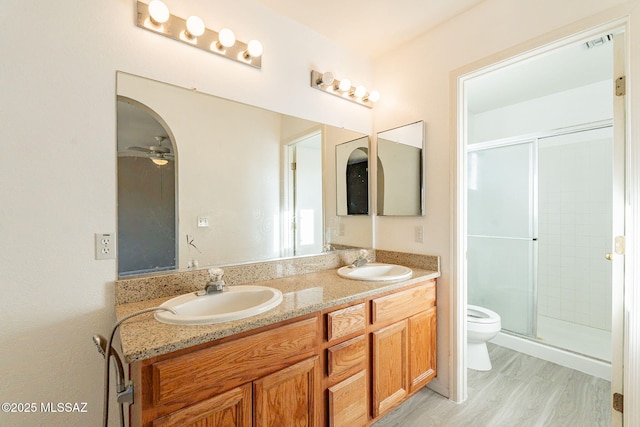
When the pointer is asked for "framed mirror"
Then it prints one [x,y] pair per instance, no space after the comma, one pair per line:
[237,195]
[400,171]
[352,177]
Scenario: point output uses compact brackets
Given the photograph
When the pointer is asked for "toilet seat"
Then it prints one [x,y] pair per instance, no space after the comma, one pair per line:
[477,314]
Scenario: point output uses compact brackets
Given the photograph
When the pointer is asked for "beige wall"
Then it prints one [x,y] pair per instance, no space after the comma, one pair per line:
[58,179]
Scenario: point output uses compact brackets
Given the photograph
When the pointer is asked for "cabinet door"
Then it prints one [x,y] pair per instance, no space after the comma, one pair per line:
[230,409]
[422,349]
[287,397]
[348,402]
[389,363]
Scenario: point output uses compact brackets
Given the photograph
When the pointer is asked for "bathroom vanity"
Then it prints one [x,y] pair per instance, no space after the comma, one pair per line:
[335,352]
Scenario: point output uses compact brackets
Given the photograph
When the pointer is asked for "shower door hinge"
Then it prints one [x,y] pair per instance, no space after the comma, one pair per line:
[618,402]
[621,86]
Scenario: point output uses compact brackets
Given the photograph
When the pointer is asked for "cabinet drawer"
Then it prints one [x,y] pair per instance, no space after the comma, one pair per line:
[346,321]
[206,372]
[403,304]
[348,401]
[346,355]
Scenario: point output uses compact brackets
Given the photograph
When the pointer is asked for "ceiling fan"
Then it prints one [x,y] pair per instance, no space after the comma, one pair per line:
[157,153]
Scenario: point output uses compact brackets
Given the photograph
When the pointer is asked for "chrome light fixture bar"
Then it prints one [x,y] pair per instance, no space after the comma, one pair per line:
[343,88]
[155,17]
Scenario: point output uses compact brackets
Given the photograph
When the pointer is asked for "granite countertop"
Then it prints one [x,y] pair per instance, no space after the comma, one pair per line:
[143,337]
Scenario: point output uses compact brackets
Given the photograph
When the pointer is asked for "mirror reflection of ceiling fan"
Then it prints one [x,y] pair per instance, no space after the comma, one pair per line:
[157,153]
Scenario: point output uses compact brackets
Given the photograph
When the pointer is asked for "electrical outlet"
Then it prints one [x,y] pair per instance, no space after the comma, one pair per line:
[203,221]
[105,246]
[419,234]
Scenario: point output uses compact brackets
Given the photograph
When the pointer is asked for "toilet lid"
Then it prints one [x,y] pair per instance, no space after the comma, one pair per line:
[481,315]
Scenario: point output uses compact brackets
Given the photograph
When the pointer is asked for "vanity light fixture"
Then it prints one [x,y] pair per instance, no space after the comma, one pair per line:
[254,50]
[158,12]
[344,85]
[325,79]
[359,91]
[156,17]
[344,89]
[373,96]
[226,39]
[195,27]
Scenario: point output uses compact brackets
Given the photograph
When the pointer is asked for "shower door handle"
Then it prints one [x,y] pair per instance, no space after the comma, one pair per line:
[608,257]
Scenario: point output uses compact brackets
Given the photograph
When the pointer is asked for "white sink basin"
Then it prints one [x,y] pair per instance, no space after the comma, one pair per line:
[235,303]
[376,272]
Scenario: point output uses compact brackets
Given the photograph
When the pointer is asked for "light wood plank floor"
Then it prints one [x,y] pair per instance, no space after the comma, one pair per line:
[520,391]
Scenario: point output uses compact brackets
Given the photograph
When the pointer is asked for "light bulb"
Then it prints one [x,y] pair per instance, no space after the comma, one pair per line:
[159,12]
[226,37]
[254,49]
[360,91]
[195,27]
[345,85]
[160,161]
[326,79]
[374,96]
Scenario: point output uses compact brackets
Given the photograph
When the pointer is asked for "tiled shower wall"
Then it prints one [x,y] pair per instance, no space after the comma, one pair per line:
[574,220]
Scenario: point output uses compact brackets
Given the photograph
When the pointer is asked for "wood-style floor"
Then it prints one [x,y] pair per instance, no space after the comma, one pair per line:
[520,391]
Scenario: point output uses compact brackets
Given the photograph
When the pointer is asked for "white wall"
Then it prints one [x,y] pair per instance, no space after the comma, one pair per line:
[58,179]
[415,85]
[568,108]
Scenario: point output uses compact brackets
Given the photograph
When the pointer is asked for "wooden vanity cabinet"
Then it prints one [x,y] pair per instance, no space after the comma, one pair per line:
[268,378]
[403,345]
[345,366]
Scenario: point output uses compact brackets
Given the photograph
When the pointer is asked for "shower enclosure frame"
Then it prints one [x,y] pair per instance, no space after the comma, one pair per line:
[533,139]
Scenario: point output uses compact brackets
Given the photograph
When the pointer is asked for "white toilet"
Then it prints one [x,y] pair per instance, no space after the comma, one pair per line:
[482,325]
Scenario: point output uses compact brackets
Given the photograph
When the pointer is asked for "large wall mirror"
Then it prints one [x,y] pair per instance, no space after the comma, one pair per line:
[400,184]
[208,181]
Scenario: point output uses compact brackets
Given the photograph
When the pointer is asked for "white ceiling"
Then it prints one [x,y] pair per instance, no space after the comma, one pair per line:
[370,27]
[562,69]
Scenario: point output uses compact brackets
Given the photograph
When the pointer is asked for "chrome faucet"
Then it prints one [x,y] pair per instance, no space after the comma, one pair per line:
[362,259]
[215,284]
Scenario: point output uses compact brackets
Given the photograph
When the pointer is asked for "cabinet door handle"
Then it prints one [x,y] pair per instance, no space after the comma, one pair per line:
[608,257]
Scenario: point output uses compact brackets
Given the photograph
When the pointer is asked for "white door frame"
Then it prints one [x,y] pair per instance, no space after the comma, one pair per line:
[288,203]
[458,381]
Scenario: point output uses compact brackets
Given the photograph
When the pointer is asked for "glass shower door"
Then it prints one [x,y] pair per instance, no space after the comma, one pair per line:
[501,244]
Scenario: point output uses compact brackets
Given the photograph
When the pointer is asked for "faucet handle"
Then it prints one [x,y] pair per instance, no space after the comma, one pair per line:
[216,274]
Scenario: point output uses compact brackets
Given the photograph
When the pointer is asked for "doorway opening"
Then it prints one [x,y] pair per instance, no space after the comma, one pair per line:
[305,195]
[540,201]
